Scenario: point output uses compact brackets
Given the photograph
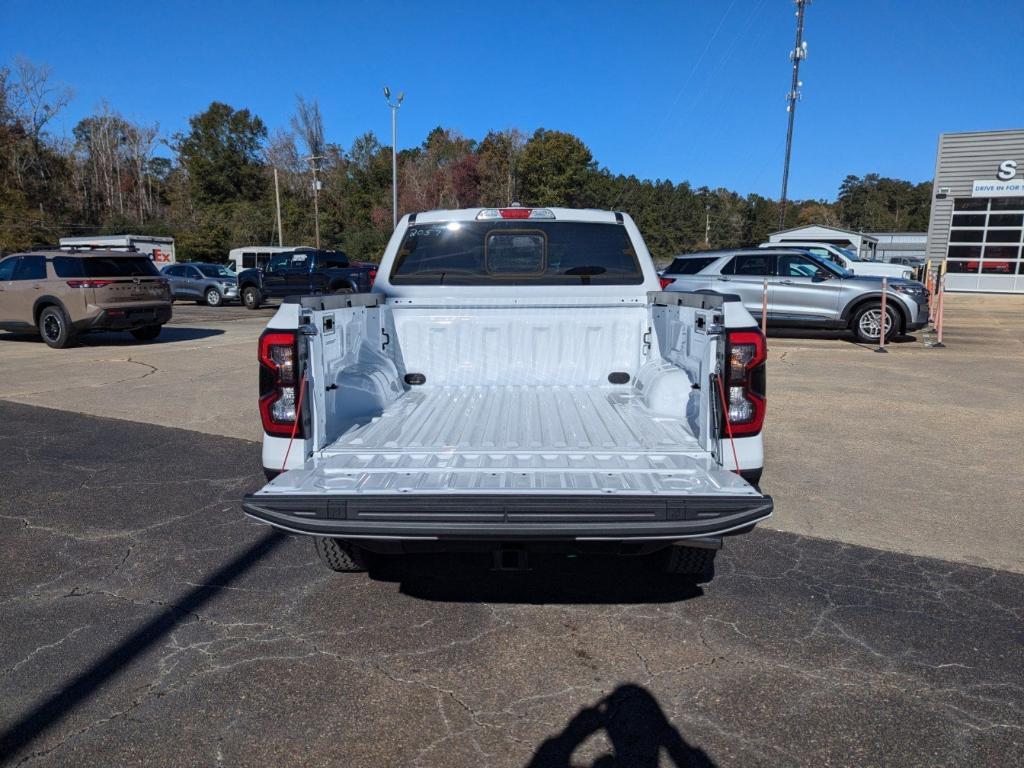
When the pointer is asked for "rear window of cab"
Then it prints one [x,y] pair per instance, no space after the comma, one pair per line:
[689,266]
[104,266]
[522,252]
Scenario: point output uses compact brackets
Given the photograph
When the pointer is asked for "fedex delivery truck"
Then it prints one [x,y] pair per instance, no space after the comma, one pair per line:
[159,249]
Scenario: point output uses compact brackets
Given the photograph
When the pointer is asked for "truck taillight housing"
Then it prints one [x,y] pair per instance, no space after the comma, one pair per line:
[373,277]
[666,282]
[279,384]
[745,356]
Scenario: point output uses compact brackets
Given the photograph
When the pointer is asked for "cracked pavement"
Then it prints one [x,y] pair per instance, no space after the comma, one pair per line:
[146,621]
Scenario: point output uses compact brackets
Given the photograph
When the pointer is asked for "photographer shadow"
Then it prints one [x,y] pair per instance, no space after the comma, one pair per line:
[635,725]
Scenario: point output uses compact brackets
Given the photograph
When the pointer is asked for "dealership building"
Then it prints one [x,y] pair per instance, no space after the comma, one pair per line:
[977,213]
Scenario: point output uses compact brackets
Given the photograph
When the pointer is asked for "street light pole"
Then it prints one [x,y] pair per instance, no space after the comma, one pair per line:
[277,199]
[316,197]
[394,153]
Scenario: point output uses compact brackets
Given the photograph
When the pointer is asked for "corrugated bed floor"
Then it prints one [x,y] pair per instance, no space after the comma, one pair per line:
[516,439]
[520,419]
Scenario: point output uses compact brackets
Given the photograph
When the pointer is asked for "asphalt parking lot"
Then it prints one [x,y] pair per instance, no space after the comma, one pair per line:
[877,620]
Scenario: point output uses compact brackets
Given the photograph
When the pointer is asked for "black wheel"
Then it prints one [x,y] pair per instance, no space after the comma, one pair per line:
[146,333]
[866,323]
[340,556]
[55,328]
[251,297]
[695,562]
[213,297]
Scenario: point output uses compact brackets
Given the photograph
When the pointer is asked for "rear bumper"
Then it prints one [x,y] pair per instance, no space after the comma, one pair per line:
[509,517]
[117,319]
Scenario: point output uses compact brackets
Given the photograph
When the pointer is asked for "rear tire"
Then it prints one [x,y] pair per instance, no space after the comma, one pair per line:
[146,333]
[55,328]
[340,556]
[695,562]
[865,323]
[251,297]
[213,298]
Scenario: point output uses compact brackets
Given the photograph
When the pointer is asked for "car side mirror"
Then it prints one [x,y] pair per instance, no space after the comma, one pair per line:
[821,275]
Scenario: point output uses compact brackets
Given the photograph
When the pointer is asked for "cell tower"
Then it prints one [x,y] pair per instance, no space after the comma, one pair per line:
[798,54]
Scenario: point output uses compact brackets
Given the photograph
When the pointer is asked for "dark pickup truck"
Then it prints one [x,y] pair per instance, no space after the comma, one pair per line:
[302,272]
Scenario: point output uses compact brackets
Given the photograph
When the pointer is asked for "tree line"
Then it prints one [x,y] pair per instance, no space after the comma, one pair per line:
[212,187]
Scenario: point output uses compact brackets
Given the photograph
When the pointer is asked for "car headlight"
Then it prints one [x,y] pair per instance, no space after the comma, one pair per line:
[910,289]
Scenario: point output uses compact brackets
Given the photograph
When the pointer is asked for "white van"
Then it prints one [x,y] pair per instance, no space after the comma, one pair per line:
[256,256]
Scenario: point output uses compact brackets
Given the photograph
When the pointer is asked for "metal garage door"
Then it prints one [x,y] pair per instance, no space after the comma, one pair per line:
[985,238]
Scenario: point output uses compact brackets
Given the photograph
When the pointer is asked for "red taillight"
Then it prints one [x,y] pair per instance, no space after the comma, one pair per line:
[514,212]
[666,282]
[373,277]
[745,356]
[279,379]
[88,283]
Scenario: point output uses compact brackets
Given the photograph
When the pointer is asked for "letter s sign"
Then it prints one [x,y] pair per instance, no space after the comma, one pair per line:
[1007,170]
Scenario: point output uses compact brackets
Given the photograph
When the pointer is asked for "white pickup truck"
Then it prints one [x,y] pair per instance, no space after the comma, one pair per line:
[515,379]
[847,259]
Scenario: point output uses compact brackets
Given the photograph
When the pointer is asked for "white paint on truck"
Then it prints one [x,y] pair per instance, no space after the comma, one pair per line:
[498,377]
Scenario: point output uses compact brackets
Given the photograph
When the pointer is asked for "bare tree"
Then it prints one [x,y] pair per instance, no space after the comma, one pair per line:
[283,154]
[35,100]
[308,124]
[112,159]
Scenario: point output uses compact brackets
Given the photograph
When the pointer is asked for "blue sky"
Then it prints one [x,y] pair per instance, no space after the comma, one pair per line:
[680,90]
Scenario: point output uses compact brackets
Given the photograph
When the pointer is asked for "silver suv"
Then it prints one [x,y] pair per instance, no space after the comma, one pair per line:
[210,284]
[804,290]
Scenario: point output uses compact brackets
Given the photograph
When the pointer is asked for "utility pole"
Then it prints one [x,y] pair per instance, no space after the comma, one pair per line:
[316,197]
[277,198]
[798,53]
[394,152]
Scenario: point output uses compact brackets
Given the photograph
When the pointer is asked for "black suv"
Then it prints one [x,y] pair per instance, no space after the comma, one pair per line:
[302,272]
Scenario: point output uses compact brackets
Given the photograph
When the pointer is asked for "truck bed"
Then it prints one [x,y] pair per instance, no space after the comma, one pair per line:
[476,439]
[518,431]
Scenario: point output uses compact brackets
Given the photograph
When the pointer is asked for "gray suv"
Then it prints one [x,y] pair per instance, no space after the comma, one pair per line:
[210,284]
[804,290]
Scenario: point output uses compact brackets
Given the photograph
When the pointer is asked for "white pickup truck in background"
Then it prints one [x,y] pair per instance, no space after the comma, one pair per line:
[847,259]
[516,378]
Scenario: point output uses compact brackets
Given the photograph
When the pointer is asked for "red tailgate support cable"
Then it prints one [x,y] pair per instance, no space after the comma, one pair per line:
[298,420]
[728,424]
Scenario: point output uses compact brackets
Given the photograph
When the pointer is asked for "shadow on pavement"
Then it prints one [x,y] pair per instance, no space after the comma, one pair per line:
[169,334]
[812,334]
[550,579]
[635,725]
[115,661]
